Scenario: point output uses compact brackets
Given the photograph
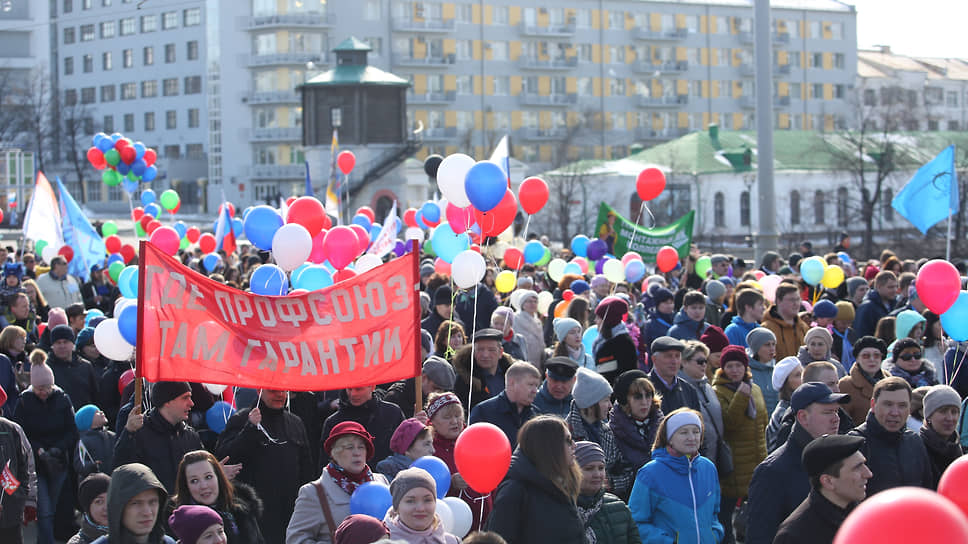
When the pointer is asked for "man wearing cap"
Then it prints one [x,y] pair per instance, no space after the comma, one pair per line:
[666,363]
[437,376]
[161,437]
[58,287]
[75,316]
[838,478]
[511,408]
[896,455]
[816,407]
[485,378]
[74,374]
[554,398]
[359,404]
[720,265]
[818,371]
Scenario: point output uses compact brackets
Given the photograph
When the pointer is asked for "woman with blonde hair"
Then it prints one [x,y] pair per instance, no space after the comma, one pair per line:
[38,303]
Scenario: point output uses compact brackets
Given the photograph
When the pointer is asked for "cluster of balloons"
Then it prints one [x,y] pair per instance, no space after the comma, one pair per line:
[122,160]
[815,270]
[48,252]
[939,288]
[630,267]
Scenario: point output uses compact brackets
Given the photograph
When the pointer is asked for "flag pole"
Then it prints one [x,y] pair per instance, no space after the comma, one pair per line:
[947,240]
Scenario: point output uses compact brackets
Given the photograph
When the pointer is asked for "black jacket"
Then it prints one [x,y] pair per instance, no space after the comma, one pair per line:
[275,468]
[486,303]
[529,509]
[16,451]
[616,355]
[870,312]
[680,395]
[815,521]
[770,503]
[378,417]
[48,424]
[159,445]
[896,458]
[404,395]
[502,412]
[109,396]
[76,377]
[98,453]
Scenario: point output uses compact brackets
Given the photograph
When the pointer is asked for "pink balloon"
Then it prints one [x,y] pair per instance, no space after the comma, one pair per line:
[342,246]
[343,274]
[318,254]
[166,239]
[629,257]
[460,219]
[441,266]
[759,274]
[582,263]
[362,237]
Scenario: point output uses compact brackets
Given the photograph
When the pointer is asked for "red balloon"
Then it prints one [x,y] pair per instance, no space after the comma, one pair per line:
[367,212]
[128,154]
[1,216]
[341,245]
[166,239]
[128,252]
[442,267]
[309,212]
[898,516]
[207,242]
[567,294]
[318,253]
[96,157]
[145,219]
[533,195]
[344,274]
[498,219]
[346,161]
[231,208]
[290,200]
[410,217]
[460,219]
[122,143]
[362,238]
[513,258]
[938,284]
[126,378]
[152,226]
[667,258]
[650,183]
[149,157]
[954,482]
[483,455]
[327,222]
[192,234]
[174,210]
[67,252]
[477,248]
[137,213]
[113,243]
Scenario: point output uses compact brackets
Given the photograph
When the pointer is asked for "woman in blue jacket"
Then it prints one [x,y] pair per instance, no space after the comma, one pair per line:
[675,498]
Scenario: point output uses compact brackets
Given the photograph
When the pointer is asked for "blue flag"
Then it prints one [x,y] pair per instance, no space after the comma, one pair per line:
[80,235]
[309,183]
[932,194]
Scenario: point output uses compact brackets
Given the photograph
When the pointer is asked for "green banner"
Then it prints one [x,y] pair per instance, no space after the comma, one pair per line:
[623,236]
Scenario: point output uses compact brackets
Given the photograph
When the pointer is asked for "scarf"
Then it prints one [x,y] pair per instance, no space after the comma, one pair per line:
[399,532]
[846,350]
[346,481]
[922,378]
[642,426]
[577,355]
[949,448]
[509,337]
[586,515]
[871,379]
[92,530]
[751,407]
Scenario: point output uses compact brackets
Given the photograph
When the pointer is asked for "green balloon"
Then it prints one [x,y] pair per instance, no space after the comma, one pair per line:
[138,230]
[132,177]
[109,228]
[112,157]
[428,249]
[169,200]
[184,243]
[545,259]
[111,178]
[39,247]
[703,265]
[115,270]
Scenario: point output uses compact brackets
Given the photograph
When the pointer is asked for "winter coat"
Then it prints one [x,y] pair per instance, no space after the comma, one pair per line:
[861,392]
[529,327]
[89,532]
[393,464]
[48,424]
[714,312]
[600,433]
[684,328]
[680,395]
[805,359]
[399,532]
[481,392]
[615,355]
[769,503]
[124,486]
[676,500]
[815,521]
[613,523]
[763,377]
[8,382]
[380,419]
[529,509]
[636,449]
[404,395]
[789,337]
[745,436]
[502,412]
[275,469]
[97,455]
[486,303]
[895,458]
[432,322]
[109,397]
[15,452]
[59,292]
[158,444]
[241,520]
[785,425]
[544,403]
[712,416]
[516,347]
[941,451]
[870,311]
[776,419]
[657,324]
[308,524]
[737,330]
[76,377]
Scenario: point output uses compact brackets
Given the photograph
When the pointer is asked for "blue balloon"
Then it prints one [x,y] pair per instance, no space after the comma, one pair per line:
[138,167]
[105,145]
[123,168]
[588,337]
[147,197]
[313,277]
[294,275]
[399,224]
[128,289]
[572,268]
[844,257]
[430,212]
[116,136]
[261,225]
[269,280]
[634,271]
[153,209]
[114,257]
[97,139]
[955,320]
[438,470]
[485,185]
[579,245]
[128,323]
[218,415]
[375,229]
[91,314]
[447,244]
[237,227]
[811,271]
[533,251]
[362,221]
[129,186]
[372,499]
[210,262]
[180,228]
[246,211]
[139,149]
[150,173]
[418,217]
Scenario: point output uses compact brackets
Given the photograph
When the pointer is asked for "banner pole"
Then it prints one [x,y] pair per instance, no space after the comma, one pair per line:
[947,240]
[138,382]
[418,381]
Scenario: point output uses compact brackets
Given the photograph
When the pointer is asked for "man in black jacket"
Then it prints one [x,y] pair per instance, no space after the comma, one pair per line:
[878,303]
[20,506]
[666,363]
[74,374]
[160,438]
[378,417]
[512,408]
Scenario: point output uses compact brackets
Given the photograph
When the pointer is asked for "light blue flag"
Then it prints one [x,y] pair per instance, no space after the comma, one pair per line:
[932,193]
[309,182]
[80,235]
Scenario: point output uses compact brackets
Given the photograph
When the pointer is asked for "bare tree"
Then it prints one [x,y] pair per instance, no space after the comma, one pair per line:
[11,106]
[74,139]
[38,112]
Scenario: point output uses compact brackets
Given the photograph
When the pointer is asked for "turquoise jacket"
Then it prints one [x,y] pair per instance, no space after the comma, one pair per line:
[763,377]
[676,500]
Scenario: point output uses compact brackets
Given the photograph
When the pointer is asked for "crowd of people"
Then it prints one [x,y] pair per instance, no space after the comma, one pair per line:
[677,409]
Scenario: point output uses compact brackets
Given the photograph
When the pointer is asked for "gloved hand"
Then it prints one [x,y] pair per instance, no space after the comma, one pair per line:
[30,514]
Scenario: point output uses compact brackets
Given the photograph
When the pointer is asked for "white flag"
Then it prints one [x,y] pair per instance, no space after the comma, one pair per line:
[43,218]
[387,238]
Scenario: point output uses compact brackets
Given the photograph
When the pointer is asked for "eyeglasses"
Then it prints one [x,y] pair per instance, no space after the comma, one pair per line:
[909,356]
[701,361]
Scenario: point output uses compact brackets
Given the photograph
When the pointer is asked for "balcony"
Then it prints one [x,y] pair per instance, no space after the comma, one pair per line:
[445,61]
[287,134]
[531,63]
[277,171]
[277,59]
[781,101]
[273,97]
[436,97]
[662,101]
[291,20]
[551,31]
[781,38]
[644,133]
[660,35]
[533,99]
[439,134]
[746,38]
[668,67]
[440,26]
[542,134]
[782,70]
[747,70]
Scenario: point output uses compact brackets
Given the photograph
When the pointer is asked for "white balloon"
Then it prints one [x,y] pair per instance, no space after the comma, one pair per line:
[291,246]
[545,298]
[556,269]
[614,270]
[367,262]
[414,233]
[446,516]
[49,253]
[215,389]
[450,178]
[463,517]
[468,268]
[123,303]
[108,340]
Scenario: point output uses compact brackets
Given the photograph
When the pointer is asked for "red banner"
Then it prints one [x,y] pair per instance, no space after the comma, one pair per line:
[361,331]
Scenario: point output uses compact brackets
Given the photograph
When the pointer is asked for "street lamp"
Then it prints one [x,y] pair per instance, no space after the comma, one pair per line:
[749,180]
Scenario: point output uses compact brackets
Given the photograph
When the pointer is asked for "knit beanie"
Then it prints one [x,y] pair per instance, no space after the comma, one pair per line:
[870,342]
[426,341]
[757,337]
[426,270]
[408,479]
[853,283]
[55,317]
[599,281]
[563,326]
[85,337]
[41,375]
[845,311]
[611,309]
[360,529]
[442,295]
[818,332]
[824,308]
[661,294]
[579,287]
[85,416]
[191,520]
[938,397]
[405,434]
[624,382]
[734,353]
[62,332]
[90,488]
[590,387]
[587,453]
[714,338]
[164,392]
[715,290]
[782,371]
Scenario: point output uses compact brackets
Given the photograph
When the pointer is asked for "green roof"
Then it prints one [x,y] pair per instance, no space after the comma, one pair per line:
[352,74]
[696,153]
[353,44]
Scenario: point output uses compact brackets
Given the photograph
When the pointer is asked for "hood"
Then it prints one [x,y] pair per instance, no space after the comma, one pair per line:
[678,464]
[738,321]
[906,321]
[758,365]
[681,317]
[773,316]
[126,482]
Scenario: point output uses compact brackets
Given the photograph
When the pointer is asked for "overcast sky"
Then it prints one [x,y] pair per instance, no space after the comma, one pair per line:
[934,28]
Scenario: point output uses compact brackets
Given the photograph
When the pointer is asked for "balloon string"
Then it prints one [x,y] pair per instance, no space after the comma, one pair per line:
[449,352]
[958,366]
[470,380]
[524,235]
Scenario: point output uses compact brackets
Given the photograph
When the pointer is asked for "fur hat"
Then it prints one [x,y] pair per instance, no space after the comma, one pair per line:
[870,342]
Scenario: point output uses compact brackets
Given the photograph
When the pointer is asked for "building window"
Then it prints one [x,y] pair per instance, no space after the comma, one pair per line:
[129,122]
[88,95]
[888,209]
[719,210]
[744,208]
[192,50]
[169,20]
[952,125]
[107,93]
[951,99]
[107,29]
[194,151]
[842,206]
[171,119]
[193,118]
[149,23]
[68,6]
[170,86]
[94,191]
[69,35]
[107,125]
[149,89]
[86,4]
[70,97]
[87,33]
[818,208]
[148,56]
[839,61]
[193,84]
[169,53]
[795,208]
[68,66]
[816,91]
[149,121]
[88,66]
[129,91]
[127,26]
[193,17]
[870,97]
[106,63]
[127,58]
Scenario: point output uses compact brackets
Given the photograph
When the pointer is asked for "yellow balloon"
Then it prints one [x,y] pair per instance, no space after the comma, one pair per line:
[505,281]
[833,276]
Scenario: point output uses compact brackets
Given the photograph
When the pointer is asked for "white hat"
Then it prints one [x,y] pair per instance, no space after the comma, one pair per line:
[783,369]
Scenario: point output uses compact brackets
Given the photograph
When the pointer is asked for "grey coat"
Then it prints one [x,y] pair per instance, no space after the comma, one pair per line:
[712,415]
[308,524]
